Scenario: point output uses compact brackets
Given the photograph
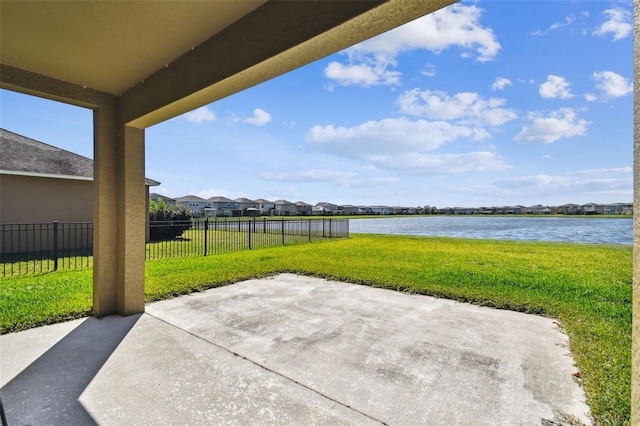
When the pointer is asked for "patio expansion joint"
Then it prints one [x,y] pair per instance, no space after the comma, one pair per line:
[270,370]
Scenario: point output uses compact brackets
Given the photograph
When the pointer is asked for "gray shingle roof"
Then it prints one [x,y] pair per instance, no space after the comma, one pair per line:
[189,198]
[23,155]
[220,200]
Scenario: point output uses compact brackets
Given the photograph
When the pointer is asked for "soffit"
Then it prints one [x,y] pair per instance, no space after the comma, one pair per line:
[109,46]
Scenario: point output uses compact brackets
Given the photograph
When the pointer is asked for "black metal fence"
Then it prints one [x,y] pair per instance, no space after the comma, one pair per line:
[41,247]
[34,248]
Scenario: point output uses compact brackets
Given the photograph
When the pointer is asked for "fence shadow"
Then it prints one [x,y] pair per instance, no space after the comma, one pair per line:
[47,392]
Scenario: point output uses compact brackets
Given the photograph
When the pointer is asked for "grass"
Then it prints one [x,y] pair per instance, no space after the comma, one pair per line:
[588,288]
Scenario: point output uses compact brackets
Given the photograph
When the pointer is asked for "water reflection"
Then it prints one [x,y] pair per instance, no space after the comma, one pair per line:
[556,229]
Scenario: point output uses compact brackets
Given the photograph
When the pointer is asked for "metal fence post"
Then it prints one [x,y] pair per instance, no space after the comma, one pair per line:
[309,228]
[206,231]
[249,223]
[330,236]
[55,245]
[282,231]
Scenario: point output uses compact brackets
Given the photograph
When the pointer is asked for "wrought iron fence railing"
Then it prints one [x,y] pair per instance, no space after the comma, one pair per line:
[42,247]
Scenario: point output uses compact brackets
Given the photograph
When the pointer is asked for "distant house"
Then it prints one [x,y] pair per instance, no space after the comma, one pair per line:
[465,210]
[364,210]
[267,208]
[284,208]
[325,209]
[591,208]
[303,209]
[538,209]
[248,207]
[347,210]
[569,209]
[381,210]
[519,209]
[618,208]
[167,200]
[196,204]
[40,183]
[222,207]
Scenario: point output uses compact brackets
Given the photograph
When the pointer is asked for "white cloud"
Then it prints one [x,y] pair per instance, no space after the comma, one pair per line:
[282,192]
[336,177]
[370,62]
[199,115]
[405,146]
[555,87]
[364,75]
[568,21]
[390,136]
[456,25]
[429,70]
[556,25]
[618,24]
[535,180]
[500,83]
[468,107]
[372,182]
[590,97]
[445,164]
[313,175]
[260,117]
[611,171]
[566,187]
[560,124]
[614,85]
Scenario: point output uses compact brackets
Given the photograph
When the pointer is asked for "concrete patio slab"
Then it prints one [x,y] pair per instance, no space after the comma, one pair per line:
[294,350]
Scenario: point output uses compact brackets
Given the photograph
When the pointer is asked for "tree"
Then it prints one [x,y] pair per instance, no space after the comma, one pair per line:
[167,222]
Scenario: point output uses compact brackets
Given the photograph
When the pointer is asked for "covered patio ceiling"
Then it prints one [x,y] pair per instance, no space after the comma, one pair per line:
[164,58]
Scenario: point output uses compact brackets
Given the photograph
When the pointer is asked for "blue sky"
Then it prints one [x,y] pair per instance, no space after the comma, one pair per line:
[482,103]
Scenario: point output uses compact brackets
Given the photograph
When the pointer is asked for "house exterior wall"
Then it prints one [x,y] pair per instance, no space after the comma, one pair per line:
[30,199]
[303,209]
[266,207]
[43,200]
[285,209]
[196,207]
[40,200]
[347,210]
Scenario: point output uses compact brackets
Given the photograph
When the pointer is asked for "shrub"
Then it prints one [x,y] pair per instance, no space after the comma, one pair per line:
[168,222]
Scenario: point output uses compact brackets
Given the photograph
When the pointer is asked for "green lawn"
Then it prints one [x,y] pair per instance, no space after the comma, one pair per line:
[588,288]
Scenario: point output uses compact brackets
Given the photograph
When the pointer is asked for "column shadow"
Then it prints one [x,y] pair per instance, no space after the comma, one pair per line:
[47,392]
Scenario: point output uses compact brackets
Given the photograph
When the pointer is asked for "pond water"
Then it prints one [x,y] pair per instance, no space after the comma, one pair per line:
[555,229]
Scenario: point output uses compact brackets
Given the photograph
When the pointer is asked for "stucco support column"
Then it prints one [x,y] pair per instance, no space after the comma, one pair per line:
[105,209]
[119,215]
[132,221]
